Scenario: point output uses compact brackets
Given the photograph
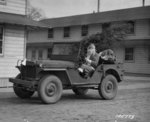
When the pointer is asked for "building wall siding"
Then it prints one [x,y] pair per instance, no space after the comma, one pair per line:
[38,36]
[14,6]
[13,50]
[140,63]
[142,30]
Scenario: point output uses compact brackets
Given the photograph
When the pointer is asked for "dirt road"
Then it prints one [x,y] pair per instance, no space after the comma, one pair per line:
[131,105]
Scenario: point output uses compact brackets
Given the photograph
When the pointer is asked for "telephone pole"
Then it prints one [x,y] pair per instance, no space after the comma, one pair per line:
[143,3]
[98,6]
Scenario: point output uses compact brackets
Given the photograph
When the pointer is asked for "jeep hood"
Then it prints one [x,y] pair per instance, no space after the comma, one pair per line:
[56,64]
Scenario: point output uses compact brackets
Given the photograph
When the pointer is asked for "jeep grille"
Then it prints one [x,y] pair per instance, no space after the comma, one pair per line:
[28,71]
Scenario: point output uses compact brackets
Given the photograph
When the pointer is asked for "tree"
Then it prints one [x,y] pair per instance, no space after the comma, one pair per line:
[111,34]
[34,12]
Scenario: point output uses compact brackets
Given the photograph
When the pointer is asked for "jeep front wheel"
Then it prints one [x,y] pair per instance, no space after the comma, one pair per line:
[20,91]
[50,89]
[108,87]
[80,91]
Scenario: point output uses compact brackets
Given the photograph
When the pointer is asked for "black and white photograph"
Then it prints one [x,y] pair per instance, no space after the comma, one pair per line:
[74,60]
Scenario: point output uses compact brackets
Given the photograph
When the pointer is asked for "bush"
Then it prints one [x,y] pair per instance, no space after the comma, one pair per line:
[104,40]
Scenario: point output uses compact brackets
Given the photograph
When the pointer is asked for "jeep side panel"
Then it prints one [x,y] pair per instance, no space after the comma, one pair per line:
[76,79]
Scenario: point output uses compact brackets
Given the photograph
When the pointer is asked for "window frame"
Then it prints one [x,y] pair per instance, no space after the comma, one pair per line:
[149,27]
[107,25]
[129,61]
[84,30]
[2,2]
[149,54]
[133,28]
[3,31]
[66,32]
[49,52]
[50,33]
[40,58]
[32,54]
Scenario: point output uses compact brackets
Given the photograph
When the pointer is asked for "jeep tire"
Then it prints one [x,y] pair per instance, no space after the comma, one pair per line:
[20,91]
[50,89]
[108,87]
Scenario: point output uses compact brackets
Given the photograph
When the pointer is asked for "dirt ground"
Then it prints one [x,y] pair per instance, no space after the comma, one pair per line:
[131,105]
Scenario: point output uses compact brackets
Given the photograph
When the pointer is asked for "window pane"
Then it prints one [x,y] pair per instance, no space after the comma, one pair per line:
[1,33]
[49,51]
[129,54]
[65,49]
[33,54]
[105,26]
[1,40]
[84,30]
[2,2]
[0,47]
[40,54]
[131,26]
[50,33]
[149,54]
[66,31]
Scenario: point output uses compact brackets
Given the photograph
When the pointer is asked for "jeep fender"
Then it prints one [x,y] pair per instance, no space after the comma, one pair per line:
[114,72]
[60,73]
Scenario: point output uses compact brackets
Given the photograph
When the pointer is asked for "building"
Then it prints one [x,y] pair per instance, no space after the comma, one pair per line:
[13,34]
[134,52]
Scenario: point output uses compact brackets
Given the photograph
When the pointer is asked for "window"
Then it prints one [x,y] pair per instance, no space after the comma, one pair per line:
[84,30]
[50,33]
[129,54]
[66,31]
[33,54]
[105,26]
[149,54]
[49,51]
[149,27]
[40,55]
[65,49]
[2,2]
[131,27]
[1,40]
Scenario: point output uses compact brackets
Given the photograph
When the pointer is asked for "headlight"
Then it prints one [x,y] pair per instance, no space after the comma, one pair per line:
[24,62]
[19,62]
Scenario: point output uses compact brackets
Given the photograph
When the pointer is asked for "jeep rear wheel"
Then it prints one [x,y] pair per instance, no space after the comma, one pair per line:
[80,91]
[50,89]
[20,91]
[108,87]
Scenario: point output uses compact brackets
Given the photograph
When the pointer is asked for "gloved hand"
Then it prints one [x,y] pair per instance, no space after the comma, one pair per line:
[88,60]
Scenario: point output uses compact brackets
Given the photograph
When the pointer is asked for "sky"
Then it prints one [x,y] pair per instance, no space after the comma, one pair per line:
[60,8]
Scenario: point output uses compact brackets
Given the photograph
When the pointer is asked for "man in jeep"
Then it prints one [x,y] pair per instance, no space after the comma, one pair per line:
[91,61]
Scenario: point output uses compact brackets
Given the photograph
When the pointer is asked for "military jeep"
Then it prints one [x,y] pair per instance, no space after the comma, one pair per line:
[50,77]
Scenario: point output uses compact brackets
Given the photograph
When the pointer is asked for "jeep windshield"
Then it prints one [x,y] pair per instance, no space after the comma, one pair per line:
[65,51]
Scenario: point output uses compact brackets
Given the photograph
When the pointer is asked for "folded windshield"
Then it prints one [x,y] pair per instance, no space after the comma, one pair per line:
[65,49]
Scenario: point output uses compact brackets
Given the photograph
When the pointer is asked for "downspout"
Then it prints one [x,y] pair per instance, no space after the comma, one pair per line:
[25,30]
[26,8]
[25,41]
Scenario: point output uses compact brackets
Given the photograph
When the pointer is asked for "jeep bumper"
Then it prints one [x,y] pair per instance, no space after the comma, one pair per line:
[22,82]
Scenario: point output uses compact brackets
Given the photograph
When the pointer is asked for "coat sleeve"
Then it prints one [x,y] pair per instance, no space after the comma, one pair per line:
[95,60]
